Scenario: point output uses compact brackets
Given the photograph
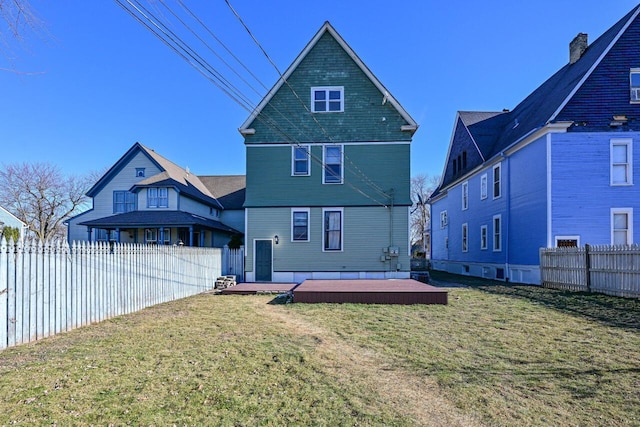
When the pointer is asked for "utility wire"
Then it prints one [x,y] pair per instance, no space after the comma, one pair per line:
[175,43]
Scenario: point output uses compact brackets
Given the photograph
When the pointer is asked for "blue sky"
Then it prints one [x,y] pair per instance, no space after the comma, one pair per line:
[94,81]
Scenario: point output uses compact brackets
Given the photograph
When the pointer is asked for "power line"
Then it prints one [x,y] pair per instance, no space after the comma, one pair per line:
[180,47]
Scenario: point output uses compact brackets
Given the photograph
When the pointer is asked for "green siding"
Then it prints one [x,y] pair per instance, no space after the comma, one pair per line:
[269,180]
[366,232]
[365,117]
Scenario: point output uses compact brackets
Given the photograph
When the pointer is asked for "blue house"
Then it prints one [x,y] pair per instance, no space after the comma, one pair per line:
[146,198]
[560,169]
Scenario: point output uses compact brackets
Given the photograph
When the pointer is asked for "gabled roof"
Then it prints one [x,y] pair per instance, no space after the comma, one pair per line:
[495,132]
[137,219]
[328,28]
[172,175]
[229,190]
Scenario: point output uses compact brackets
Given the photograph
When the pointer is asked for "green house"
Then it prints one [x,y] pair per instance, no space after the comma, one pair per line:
[328,172]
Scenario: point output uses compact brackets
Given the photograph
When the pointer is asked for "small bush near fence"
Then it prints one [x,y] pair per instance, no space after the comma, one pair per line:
[47,288]
[612,270]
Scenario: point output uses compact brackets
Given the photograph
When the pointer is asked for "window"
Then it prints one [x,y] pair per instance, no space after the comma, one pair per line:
[103,235]
[634,84]
[332,164]
[496,181]
[332,239]
[300,225]
[155,235]
[497,233]
[621,226]
[483,187]
[483,237]
[151,235]
[124,201]
[157,197]
[300,160]
[465,196]
[444,219]
[621,162]
[465,237]
[567,241]
[139,172]
[327,99]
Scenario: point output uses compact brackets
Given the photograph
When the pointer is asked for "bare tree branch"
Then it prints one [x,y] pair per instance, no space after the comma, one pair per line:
[421,188]
[41,197]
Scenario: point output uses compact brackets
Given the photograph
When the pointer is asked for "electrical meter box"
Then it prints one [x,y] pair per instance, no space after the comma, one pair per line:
[393,250]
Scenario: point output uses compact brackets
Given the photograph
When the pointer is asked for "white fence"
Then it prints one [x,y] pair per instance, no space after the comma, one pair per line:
[50,288]
[233,262]
[612,270]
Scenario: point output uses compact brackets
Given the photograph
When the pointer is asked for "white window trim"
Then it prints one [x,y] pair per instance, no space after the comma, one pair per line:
[493,236]
[444,219]
[465,237]
[575,237]
[484,243]
[341,210]
[629,213]
[324,162]
[293,160]
[308,211]
[327,89]
[634,90]
[465,195]
[493,180]
[628,142]
[484,186]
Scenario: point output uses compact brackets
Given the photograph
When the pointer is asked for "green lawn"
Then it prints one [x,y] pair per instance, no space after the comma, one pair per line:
[496,355]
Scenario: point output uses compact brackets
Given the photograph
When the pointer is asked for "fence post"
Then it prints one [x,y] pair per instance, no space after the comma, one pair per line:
[587,264]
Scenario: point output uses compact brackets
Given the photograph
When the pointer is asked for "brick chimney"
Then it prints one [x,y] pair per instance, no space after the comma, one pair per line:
[577,47]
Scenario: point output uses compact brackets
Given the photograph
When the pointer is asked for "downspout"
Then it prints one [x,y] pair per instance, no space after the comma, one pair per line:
[393,262]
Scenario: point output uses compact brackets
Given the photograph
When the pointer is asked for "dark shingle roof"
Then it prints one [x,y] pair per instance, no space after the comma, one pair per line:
[157,219]
[494,132]
[229,190]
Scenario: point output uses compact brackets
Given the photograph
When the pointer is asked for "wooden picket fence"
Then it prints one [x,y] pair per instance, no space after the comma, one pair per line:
[612,270]
[48,288]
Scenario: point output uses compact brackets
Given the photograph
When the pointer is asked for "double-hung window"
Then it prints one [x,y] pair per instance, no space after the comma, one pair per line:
[621,161]
[332,239]
[483,187]
[497,233]
[497,188]
[300,160]
[634,85]
[444,219]
[483,237]
[621,226]
[158,197]
[465,237]
[327,99]
[332,164]
[124,201]
[465,196]
[299,225]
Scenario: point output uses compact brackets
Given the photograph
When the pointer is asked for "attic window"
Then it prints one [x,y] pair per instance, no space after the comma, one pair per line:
[139,172]
[327,99]
[634,82]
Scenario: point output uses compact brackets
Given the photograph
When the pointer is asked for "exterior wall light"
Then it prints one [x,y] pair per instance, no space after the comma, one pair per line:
[276,239]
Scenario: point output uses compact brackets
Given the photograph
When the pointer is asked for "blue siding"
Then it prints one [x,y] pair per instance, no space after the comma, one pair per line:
[582,196]
[527,218]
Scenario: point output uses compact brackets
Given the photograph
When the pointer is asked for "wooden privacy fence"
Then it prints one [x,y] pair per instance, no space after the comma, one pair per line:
[48,288]
[612,270]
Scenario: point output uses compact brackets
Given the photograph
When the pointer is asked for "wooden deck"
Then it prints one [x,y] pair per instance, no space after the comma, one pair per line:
[399,291]
[259,288]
